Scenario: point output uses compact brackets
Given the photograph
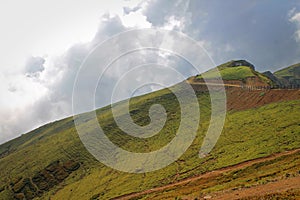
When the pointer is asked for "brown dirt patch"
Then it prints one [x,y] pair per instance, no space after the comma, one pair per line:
[240,99]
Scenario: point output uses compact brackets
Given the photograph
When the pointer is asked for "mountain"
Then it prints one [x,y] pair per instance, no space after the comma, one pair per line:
[258,149]
[239,72]
[288,77]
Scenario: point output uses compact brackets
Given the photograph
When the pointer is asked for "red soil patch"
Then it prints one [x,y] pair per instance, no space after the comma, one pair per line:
[240,99]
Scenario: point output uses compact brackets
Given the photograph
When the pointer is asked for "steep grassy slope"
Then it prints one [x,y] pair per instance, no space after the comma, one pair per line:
[28,165]
[235,70]
[232,73]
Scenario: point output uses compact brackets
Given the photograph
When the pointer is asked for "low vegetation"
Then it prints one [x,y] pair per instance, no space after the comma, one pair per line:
[265,130]
[240,73]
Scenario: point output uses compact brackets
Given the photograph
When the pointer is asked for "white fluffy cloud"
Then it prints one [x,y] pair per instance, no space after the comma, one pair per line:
[295,18]
[19,93]
[46,83]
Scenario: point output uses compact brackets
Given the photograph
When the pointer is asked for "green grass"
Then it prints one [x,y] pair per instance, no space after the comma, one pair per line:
[288,71]
[233,73]
[289,76]
[257,174]
[247,135]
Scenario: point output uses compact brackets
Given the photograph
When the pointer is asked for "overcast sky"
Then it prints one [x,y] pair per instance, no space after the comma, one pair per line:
[43,44]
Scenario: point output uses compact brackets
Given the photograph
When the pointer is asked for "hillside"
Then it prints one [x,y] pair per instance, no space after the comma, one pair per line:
[288,77]
[291,71]
[241,181]
[239,73]
[51,162]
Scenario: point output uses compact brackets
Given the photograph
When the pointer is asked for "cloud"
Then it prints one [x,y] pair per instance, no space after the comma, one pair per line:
[42,91]
[295,18]
[158,12]
[19,95]
[258,31]
[136,19]
[47,83]
[56,76]
[34,66]
[128,10]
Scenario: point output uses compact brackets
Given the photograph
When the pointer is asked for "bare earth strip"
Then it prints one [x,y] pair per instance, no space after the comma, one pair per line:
[261,190]
[284,184]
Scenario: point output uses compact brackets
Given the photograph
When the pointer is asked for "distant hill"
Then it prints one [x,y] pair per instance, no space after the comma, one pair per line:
[51,162]
[291,71]
[288,77]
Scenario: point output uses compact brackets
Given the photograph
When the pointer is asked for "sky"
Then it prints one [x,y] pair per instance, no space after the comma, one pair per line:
[44,43]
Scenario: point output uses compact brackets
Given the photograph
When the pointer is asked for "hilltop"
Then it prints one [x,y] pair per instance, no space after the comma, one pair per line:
[238,73]
[241,73]
[258,145]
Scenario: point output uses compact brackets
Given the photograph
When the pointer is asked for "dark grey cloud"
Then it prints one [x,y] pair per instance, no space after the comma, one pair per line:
[158,12]
[259,31]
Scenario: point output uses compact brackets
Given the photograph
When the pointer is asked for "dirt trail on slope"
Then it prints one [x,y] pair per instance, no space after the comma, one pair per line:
[212,174]
[261,190]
